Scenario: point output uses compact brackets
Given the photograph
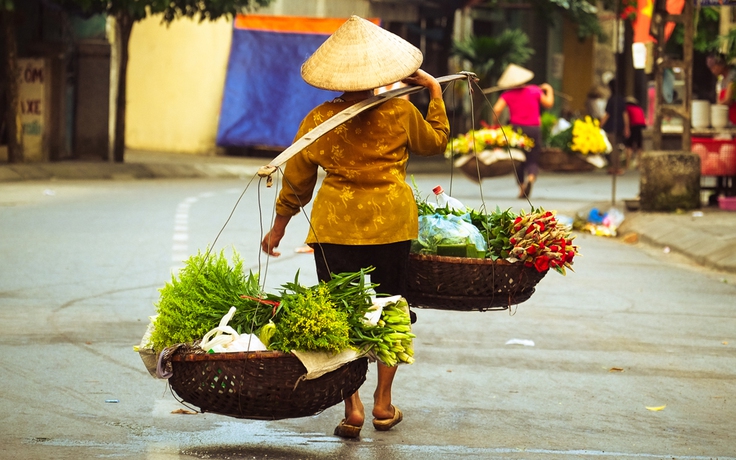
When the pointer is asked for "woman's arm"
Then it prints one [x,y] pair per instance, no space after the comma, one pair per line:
[498,109]
[422,78]
[273,237]
[548,95]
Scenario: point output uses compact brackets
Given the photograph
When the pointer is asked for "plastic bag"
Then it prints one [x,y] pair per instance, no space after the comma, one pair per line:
[560,126]
[373,314]
[436,229]
[145,349]
[224,339]
[613,218]
[595,216]
[604,224]
[609,147]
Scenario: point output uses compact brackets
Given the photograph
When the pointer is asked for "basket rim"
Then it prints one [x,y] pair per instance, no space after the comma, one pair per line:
[465,260]
[189,356]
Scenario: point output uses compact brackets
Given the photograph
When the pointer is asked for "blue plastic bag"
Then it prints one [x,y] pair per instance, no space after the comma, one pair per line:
[436,229]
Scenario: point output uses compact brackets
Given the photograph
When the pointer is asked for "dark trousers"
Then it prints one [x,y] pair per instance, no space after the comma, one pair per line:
[391,262]
[531,165]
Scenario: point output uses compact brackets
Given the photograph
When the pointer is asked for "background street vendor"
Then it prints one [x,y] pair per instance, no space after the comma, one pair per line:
[725,86]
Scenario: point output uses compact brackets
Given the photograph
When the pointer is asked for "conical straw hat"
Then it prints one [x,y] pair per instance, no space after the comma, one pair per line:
[514,75]
[359,56]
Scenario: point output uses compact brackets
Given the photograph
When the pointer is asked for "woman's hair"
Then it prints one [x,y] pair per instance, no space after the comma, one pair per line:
[595,92]
[715,59]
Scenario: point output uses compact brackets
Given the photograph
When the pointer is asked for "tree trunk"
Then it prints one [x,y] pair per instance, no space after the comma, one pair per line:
[124,22]
[12,96]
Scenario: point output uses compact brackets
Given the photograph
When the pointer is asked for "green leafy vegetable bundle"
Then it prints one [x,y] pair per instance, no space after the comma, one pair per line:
[310,322]
[193,303]
[327,317]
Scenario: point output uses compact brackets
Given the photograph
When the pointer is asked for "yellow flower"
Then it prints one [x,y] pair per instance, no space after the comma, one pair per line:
[476,141]
[587,137]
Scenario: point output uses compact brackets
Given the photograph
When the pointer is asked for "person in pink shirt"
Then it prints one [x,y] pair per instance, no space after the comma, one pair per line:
[637,123]
[524,104]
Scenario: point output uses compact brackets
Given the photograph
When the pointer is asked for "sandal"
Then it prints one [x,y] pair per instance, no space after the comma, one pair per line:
[347,431]
[528,189]
[521,191]
[386,424]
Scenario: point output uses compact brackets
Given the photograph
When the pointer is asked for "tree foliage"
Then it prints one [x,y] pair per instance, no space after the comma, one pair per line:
[582,13]
[488,56]
[169,9]
[706,38]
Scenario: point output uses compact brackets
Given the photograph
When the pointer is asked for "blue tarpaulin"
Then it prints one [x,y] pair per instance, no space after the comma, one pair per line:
[265,98]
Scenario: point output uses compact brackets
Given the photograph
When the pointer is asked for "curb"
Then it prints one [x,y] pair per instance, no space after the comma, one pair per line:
[122,171]
[687,236]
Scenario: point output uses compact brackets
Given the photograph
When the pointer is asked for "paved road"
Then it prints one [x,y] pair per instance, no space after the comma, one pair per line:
[632,327]
[705,236]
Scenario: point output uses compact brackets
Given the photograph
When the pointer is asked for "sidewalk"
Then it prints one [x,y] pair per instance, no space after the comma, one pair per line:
[709,239]
[707,236]
[138,165]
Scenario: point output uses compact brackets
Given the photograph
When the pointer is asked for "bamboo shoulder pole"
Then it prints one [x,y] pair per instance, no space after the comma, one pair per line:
[340,118]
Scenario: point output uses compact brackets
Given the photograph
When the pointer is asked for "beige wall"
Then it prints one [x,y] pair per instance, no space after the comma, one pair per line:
[176,76]
[578,73]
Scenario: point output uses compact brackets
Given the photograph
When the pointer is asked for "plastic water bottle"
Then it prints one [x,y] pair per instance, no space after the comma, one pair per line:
[445,200]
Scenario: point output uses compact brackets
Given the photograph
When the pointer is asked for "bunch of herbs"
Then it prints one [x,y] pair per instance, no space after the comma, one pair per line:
[326,317]
[193,303]
[309,321]
[496,228]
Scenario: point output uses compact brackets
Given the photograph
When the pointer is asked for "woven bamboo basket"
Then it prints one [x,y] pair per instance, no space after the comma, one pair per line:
[466,284]
[490,163]
[557,160]
[261,385]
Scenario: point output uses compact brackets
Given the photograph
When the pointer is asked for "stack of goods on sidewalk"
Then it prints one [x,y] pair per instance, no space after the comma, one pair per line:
[599,223]
[465,259]
[230,348]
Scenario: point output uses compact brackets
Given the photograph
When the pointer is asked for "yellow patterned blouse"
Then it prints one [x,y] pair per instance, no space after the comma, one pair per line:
[364,198]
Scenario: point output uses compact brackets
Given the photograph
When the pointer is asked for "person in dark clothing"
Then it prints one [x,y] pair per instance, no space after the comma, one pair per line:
[637,123]
[615,123]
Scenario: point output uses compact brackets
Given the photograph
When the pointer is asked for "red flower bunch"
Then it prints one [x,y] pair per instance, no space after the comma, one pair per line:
[629,10]
[541,242]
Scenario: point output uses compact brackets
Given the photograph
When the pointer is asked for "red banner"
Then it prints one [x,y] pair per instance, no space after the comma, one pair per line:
[643,19]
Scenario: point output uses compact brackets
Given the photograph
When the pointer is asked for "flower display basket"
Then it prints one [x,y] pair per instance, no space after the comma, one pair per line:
[261,385]
[468,284]
[557,160]
[490,163]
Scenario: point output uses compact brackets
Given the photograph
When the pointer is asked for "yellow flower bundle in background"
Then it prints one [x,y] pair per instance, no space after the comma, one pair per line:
[587,137]
[584,137]
[487,139]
